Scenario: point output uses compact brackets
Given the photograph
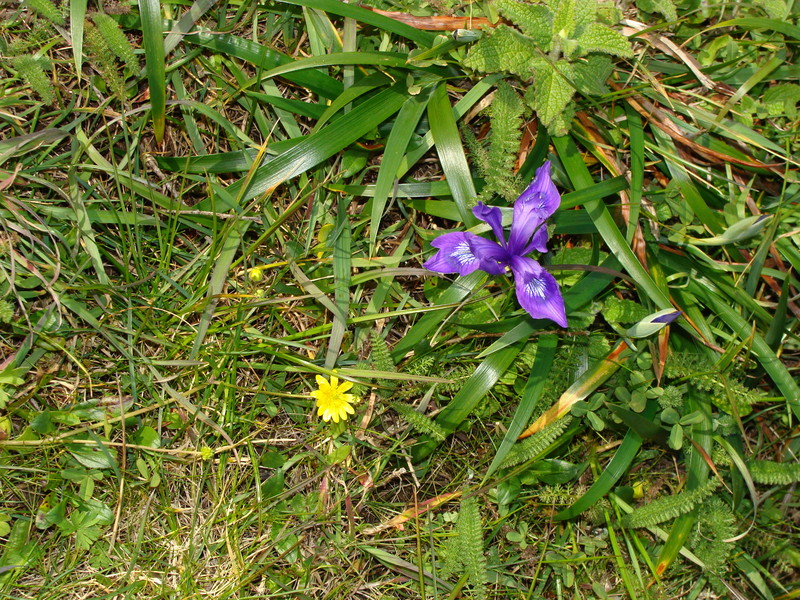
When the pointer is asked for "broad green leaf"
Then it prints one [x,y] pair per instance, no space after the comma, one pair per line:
[663,7]
[590,74]
[535,21]
[552,93]
[566,17]
[505,50]
[597,37]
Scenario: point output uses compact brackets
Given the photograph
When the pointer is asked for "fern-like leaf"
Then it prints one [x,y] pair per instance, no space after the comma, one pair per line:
[769,472]
[419,422]
[117,41]
[670,507]
[47,9]
[32,72]
[470,534]
[536,444]
[506,120]
[103,59]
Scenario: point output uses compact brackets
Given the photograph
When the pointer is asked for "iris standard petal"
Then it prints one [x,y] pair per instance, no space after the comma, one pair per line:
[539,200]
[464,252]
[539,241]
[537,290]
[492,216]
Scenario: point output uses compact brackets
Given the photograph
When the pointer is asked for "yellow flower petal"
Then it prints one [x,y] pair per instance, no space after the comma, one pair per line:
[332,401]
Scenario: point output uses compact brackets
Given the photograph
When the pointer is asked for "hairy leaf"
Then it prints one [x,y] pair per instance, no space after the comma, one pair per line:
[597,37]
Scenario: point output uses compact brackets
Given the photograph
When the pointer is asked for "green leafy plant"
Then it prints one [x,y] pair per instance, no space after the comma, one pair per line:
[561,47]
[32,70]
[669,507]
[464,549]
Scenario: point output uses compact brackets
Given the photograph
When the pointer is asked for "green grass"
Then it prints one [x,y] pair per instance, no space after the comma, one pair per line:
[190,234]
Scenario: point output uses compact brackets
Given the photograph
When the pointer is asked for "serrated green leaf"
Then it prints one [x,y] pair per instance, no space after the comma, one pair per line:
[506,50]
[662,7]
[535,20]
[553,90]
[775,9]
[597,37]
[591,73]
[782,99]
[564,18]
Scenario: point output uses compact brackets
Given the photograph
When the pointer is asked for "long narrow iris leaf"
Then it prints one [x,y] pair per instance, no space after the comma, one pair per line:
[153,42]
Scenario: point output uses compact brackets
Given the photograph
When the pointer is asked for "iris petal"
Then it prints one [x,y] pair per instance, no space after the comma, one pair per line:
[492,216]
[537,290]
[539,200]
[464,252]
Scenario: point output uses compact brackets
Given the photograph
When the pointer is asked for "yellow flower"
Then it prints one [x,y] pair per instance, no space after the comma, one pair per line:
[332,402]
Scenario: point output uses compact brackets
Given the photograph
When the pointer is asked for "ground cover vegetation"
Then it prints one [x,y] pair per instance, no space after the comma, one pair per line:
[226,373]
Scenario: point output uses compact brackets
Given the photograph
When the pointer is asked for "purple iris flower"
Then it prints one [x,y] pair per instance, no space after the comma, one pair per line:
[463,252]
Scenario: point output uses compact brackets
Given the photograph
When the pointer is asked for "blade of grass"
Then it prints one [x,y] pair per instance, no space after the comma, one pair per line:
[265,58]
[396,145]
[153,43]
[605,224]
[325,143]
[586,384]
[545,353]
[342,253]
[77,16]
[450,148]
[467,398]
[185,23]
[420,331]
[370,18]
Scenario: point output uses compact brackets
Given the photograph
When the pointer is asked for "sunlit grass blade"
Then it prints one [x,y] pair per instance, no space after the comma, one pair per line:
[396,145]
[583,386]
[365,16]
[325,143]
[153,42]
[451,153]
[77,16]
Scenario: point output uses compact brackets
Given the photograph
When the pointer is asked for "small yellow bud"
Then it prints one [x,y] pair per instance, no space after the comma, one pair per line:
[255,274]
[206,453]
